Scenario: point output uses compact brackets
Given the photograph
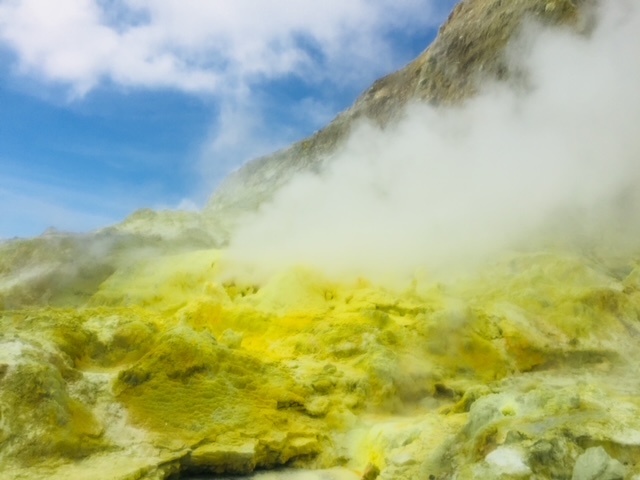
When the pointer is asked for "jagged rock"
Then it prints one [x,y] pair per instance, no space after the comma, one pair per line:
[596,464]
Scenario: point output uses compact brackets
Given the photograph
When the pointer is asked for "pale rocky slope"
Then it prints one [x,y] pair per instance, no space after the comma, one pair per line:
[469,50]
[130,353]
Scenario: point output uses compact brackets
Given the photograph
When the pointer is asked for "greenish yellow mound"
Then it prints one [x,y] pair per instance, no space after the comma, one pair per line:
[522,369]
[40,420]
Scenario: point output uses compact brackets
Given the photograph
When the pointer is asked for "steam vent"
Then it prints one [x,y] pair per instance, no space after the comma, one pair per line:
[481,321]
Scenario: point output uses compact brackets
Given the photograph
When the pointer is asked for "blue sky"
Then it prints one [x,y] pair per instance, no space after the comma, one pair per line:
[108,106]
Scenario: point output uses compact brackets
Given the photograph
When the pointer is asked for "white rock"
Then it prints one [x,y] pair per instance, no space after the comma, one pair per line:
[508,460]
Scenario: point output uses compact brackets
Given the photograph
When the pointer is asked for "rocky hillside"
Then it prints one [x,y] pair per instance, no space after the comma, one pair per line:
[469,50]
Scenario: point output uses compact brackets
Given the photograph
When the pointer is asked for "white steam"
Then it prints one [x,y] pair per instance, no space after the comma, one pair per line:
[446,187]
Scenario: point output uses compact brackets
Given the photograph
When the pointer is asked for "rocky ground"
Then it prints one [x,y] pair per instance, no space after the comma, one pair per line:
[525,369]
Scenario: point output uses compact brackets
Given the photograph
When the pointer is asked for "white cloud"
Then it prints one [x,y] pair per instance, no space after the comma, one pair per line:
[240,134]
[213,46]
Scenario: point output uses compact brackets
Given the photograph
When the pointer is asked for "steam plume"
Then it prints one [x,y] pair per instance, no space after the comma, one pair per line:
[447,187]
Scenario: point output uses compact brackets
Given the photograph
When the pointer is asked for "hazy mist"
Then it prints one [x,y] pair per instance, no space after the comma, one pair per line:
[451,187]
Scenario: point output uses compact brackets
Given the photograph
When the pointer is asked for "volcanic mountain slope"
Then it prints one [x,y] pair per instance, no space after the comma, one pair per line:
[135,353]
[469,50]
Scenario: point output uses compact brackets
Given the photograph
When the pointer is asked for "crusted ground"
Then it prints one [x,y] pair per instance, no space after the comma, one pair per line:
[516,371]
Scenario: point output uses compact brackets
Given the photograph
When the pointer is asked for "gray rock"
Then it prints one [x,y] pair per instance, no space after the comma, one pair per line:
[596,464]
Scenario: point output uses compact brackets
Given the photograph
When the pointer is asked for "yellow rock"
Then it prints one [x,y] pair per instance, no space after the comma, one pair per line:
[173,366]
[239,459]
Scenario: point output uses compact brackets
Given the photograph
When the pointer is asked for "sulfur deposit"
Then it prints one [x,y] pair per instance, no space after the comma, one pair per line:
[153,349]
[523,371]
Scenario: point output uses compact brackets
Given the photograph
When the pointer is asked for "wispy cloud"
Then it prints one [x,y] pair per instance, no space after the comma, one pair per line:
[207,47]
[29,207]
